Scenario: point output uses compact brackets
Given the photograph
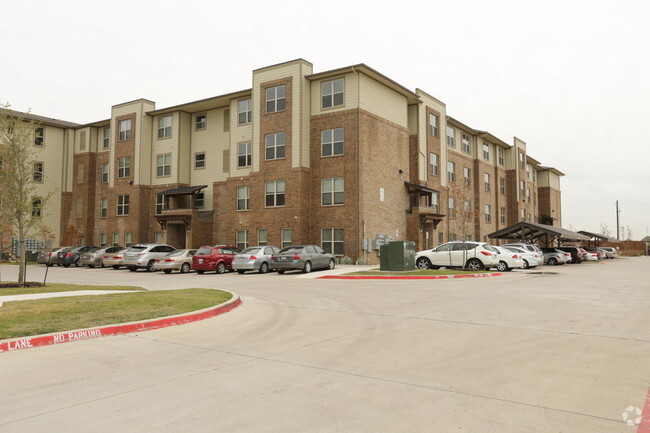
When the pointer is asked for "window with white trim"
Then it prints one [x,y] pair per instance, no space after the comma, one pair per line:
[332,142]
[242,239]
[486,151]
[467,175]
[39,168]
[486,181]
[503,215]
[165,126]
[199,160]
[243,198]
[200,122]
[160,203]
[451,136]
[522,187]
[275,145]
[435,202]
[164,165]
[123,167]
[262,237]
[434,168]
[38,136]
[488,213]
[465,144]
[105,172]
[287,236]
[106,140]
[127,240]
[199,200]
[245,154]
[501,157]
[37,207]
[116,239]
[103,208]
[102,240]
[433,124]
[122,205]
[502,185]
[332,241]
[276,98]
[244,111]
[332,93]
[332,191]
[452,211]
[125,129]
[451,171]
[274,193]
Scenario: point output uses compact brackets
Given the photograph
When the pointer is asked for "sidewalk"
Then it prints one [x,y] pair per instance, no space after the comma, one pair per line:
[30,296]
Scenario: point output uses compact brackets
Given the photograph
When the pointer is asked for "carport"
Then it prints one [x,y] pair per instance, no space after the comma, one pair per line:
[531,232]
[595,239]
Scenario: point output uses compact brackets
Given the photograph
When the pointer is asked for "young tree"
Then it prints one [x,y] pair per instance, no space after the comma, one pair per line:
[466,212]
[23,204]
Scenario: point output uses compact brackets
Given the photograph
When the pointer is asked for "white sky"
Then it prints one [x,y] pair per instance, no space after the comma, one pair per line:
[569,77]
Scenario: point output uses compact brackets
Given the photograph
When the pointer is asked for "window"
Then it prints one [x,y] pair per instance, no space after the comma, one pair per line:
[486,151]
[157,237]
[79,208]
[486,180]
[467,209]
[276,98]
[503,215]
[332,241]
[528,170]
[160,203]
[262,237]
[244,111]
[164,165]
[103,207]
[332,142]
[467,175]
[116,239]
[123,167]
[106,140]
[502,185]
[275,145]
[274,193]
[122,205]
[199,200]
[245,154]
[105,173]
[199,160]
[434,164]
[286,237]
[332,93]
[452,212]
[522,187]
[435,202]
[243,198]
[488,213]
[127,239]
[37,207]
[522,160]
[523,214]
[527,195]
[451,171]
[200,122]
[501,157]
[451,136]
[332,191]
[465,144]
[125,129]
[80,173]
[242,239]
[38,136]
[102,239]
[433,125]
[164,126]
[38,171]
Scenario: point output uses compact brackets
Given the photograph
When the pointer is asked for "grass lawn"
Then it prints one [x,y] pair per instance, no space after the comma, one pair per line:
[44,316]
[52,287]
[419,272]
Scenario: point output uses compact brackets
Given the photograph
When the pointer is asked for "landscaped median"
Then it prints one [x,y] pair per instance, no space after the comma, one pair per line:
[23,323]
[420,274]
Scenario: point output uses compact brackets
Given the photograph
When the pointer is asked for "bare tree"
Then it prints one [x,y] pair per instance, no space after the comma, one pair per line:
[604,230]
[467,212]
[22,203]
[629,233]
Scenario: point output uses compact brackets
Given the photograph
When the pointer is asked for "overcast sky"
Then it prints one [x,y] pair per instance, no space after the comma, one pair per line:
[570,77]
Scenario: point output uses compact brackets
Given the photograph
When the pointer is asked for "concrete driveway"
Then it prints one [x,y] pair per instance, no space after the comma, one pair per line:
[526,352]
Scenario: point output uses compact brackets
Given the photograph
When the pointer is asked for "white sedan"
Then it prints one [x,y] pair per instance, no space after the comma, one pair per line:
[531,259]
[508,260]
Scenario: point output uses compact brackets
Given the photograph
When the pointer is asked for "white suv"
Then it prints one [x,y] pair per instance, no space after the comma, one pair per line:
[457,254]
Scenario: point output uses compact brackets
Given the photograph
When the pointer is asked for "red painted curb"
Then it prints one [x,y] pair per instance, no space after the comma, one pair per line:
[406,277]
[127,328]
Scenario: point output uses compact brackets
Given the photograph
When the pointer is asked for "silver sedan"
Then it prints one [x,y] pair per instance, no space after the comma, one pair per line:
[303,257]
[256,258]
[177,260]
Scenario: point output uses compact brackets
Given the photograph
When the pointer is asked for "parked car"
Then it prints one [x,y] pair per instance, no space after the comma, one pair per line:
[177,260]
[302,257]
[595,250]
[589,255]
[70,256]
[526,246]
[216,258]
[508,260]
[576,254]
[531,259]
[143,256]
[47,257]
[95,257]
[610,253]
[554,257]
[114,259]
[458,254]
[256,258]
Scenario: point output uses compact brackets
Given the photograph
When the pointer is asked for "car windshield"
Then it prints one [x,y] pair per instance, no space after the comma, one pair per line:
[290,250]
[251,250]
[203,251]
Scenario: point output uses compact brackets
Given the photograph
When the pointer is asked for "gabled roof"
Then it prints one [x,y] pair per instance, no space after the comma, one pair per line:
[40,119]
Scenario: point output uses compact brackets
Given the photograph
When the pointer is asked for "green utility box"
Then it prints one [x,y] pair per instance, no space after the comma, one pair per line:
[397,256]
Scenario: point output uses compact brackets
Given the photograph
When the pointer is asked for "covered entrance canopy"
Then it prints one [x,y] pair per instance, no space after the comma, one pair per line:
[595,239]
[529,232]
[422,203]
[179,206]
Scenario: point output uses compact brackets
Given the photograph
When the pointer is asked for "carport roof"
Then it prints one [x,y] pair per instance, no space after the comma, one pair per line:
[531,231]
[594,235]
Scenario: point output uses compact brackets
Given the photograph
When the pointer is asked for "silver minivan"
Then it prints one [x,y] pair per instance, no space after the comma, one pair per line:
[143,256]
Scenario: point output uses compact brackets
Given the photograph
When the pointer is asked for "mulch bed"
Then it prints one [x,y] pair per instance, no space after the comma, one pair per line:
[27,284]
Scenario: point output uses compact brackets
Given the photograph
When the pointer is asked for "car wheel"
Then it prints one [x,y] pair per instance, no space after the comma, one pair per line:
[502,266]
[104,266]
[423,263]
[132,268]
[474,265]
[331,264]
[200,272]
[76,263]
[221,268]
[116,266]
[240,271]
[264,268]
[185,268]
[48,264]
[526,264]
[149,267]
[167,271]
[67,265]
[281,272]
[552,261]
[91,266]
[307,268]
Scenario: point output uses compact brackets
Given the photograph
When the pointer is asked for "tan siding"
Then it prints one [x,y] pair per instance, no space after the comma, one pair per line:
[351,94]
[382,101]
[184,160]
[163,146]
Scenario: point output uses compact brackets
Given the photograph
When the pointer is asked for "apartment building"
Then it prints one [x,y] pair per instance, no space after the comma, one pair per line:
[346,159]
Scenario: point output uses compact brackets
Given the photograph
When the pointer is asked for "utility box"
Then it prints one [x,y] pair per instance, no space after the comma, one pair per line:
[397,256]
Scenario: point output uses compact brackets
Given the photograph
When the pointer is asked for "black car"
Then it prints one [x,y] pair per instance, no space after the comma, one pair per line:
[576,256]
[70,256]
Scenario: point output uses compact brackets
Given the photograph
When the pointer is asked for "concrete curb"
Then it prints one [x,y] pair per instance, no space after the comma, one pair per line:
[124,328]
[407,277]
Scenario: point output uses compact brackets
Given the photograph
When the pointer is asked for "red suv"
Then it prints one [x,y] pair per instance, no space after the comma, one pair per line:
[217,258]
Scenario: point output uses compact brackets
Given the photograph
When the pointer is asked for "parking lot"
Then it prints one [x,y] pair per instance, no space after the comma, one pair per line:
[556,349]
